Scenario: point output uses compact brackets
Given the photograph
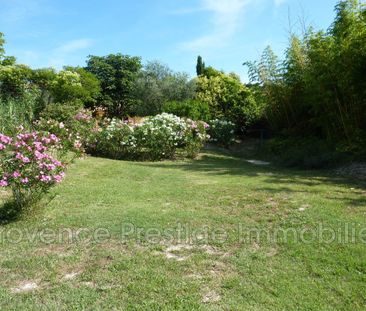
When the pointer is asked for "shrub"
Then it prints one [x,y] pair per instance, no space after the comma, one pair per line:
[195,137]
[222,132]
[18,111]
[155,138]
[115,139]
[28,166]
[161,135]
[62,112]
[193,109]
[73,126]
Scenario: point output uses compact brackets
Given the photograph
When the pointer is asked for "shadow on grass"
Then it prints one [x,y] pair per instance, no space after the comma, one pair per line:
[9,212]
[222,162]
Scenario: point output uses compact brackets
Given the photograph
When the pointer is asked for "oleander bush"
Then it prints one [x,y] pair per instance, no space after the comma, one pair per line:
[73,125]
[155,138]
[222,132]
[115,139]
[29,165]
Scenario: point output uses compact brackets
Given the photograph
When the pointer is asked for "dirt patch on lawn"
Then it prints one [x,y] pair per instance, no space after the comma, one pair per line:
[25,287]
[181,252]
[210,297]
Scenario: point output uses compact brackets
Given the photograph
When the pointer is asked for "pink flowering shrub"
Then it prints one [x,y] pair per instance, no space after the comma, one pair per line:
[28,166]
[195,137]
[74,132]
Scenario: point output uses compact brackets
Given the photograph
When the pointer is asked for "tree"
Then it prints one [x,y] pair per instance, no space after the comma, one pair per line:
[14,80]
[117,74]
[228,98]
[200,67]
[5,60]
[90,90]
[319,89]
[158,84]
[2,42]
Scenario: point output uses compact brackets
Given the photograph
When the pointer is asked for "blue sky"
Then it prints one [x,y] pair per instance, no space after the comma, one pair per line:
[44,33]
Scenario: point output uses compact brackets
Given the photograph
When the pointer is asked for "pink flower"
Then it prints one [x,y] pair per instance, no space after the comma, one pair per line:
[56,162]
[5,139]
[54,138]
[2,147]
[39,146]
[46,140]
[16,174]
[50,167]
[45,178]
[58,178]
[25,180]
[26,160]
[39,155]
[3,183]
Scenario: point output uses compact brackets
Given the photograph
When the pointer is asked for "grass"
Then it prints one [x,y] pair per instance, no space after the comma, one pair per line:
[216,194]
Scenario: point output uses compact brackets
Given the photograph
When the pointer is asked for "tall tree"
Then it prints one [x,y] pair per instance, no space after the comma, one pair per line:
[117,74]
[2,42]
[200,67]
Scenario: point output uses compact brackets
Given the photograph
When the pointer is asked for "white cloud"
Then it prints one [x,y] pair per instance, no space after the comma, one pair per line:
[74,45]
[225,20]
[63,52]
[16,11]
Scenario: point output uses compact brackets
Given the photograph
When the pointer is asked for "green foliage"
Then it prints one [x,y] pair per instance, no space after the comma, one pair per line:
[158,84]
[228,98]
[115,139]
[193,109]
[14,80]
[2,42]
[5,60]
[74,83]
[117,74]
[88,89]
[15,112]
[308,153]
[61,112]
[319,89]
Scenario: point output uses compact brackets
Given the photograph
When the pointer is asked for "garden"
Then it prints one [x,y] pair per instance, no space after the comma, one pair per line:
[129,186]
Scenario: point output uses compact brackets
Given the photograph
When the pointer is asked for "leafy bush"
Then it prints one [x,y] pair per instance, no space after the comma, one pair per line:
[18,111]
[229,99]
[193,109]
[28,166]
[222,132]
[62,112]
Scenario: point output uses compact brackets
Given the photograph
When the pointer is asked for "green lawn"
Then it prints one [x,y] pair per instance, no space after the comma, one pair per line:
[147,263]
